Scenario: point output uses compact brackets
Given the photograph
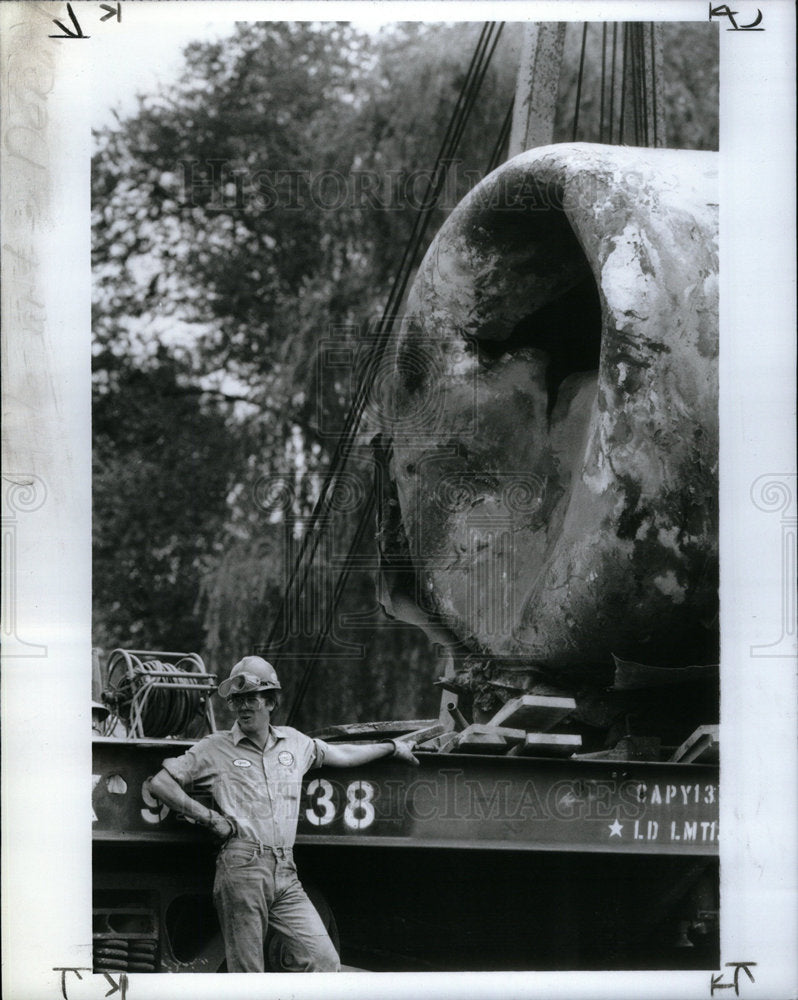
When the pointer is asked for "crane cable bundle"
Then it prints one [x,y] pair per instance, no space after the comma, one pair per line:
[630,108]
[480,61]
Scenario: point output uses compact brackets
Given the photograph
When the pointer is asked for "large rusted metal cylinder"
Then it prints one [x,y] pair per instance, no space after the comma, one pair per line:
[555,412]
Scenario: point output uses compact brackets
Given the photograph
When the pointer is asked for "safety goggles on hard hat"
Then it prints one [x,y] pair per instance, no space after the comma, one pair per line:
[243,684]
[253,700]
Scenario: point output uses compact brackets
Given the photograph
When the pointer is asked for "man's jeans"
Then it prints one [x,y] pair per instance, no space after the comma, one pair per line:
[256,886]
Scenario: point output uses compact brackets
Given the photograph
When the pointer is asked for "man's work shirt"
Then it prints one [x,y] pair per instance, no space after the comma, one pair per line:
[258,789]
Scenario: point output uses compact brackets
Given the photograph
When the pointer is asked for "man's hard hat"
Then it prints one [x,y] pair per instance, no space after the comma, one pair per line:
[253,673]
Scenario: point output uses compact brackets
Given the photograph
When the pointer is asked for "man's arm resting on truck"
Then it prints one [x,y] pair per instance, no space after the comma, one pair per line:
[164,787]
[352,754]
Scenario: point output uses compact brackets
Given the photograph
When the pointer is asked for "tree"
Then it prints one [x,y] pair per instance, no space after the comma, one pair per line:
[163,464]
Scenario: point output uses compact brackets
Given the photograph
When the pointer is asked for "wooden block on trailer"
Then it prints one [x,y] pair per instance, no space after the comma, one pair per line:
[472,741]
[480,744]
[448,741]
[549,745]
[422,735]
[488,729]
[439,744]
[533,712]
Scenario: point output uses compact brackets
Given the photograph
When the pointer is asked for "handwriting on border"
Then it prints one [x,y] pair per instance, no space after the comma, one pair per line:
[725,11]
[76,31]
[716,981]
[119,987]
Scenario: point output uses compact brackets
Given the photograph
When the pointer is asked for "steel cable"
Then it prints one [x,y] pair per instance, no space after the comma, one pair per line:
[612,79]
[579,78]
[623,80]
[643,86]
[466,98]
[501,141]
[489,36]
[310,538]
[653,81]
[603,79]
[340,583]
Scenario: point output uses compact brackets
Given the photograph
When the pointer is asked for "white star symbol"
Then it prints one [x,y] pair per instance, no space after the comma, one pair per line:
[615,829]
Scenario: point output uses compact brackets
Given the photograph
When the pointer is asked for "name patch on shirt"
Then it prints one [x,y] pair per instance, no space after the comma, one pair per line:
[242,763]
[285,757]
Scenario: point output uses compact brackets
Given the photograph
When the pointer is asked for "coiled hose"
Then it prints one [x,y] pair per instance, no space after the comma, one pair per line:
[152,696]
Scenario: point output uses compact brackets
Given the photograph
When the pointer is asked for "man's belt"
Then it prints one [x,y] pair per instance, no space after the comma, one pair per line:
[260,847]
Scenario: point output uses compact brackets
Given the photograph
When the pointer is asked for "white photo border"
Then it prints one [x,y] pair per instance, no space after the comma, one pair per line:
[46,669]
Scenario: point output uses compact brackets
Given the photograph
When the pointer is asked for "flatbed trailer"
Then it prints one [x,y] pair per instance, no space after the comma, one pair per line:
[465,862]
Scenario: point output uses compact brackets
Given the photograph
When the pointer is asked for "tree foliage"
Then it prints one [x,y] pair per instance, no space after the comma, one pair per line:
[162,468]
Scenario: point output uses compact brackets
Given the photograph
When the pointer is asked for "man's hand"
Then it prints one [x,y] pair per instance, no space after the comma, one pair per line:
[220,826]
[164,787]
[404,751]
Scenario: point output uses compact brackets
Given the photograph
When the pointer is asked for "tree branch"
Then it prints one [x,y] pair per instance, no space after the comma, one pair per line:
[196,390]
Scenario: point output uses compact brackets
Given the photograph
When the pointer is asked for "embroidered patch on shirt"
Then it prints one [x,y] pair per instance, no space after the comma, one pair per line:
[285,757]
[242,763]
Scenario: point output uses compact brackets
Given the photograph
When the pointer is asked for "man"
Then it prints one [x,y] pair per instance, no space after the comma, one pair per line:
[254,772]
